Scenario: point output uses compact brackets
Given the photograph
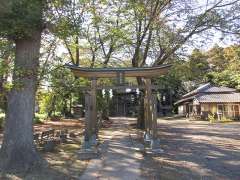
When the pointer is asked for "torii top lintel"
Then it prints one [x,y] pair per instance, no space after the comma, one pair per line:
[114,72]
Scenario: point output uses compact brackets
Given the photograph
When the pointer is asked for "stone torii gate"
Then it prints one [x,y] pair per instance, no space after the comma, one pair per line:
[150,99]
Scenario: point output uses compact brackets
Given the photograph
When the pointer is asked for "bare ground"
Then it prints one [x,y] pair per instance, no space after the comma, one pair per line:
[63,163]
[195,150]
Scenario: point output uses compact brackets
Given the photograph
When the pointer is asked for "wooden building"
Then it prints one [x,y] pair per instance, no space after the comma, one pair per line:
[210,100]
[124,103]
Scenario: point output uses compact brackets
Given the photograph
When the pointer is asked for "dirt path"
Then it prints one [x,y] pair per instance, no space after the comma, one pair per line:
[119,159]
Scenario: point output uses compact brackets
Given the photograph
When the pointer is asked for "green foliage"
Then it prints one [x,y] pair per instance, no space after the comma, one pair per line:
[20,18]
[44,100]
[230,72]
[220,66]
[39,118]
[103,101]
[65,90]
[174,79]
[216,58]
[198,66]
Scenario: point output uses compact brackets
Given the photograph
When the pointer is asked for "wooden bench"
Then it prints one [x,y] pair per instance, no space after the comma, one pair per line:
[47,135]
[48,139]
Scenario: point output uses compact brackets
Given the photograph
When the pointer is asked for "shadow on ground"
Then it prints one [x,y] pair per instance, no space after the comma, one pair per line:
[195,150]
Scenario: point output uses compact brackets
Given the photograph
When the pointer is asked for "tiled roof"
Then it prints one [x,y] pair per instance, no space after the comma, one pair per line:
[208,93]
[208,88]
[214,89]
[198,90]
[219,98]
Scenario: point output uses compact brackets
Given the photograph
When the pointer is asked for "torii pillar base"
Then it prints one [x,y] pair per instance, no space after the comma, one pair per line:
[87,154]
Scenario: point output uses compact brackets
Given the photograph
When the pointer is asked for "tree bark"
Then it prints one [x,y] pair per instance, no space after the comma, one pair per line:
[18,151]
[140,118]
[77,51]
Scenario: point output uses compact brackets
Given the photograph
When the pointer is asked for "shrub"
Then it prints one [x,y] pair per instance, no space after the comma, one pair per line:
[211,118]
[39,118]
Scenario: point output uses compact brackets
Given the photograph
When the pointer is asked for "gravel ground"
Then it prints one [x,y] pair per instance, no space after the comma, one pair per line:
[195,150]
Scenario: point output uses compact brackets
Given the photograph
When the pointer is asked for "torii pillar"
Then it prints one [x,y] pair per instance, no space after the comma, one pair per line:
[147,109]
[90,116]
[150,116]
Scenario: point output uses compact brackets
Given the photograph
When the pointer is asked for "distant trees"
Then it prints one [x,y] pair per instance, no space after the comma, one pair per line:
[229,75]
[218,65]
[64,90]
[198,66]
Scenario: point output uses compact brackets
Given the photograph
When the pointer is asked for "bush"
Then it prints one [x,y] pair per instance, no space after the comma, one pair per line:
[2,118]
[39,118]
[211,118]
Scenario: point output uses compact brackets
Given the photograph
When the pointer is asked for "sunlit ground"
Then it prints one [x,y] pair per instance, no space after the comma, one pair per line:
[195,150]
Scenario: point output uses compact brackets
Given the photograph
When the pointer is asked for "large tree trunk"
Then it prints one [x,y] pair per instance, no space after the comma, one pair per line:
[18,151]
[140,118]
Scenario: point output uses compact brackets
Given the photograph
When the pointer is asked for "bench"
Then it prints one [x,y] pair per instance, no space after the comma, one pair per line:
[47,135]
[48,139]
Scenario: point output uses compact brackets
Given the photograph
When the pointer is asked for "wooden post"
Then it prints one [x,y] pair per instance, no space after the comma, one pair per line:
[145,114]
[87,132]
[90,116]
[147,104]
[93,109]
[154,116]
